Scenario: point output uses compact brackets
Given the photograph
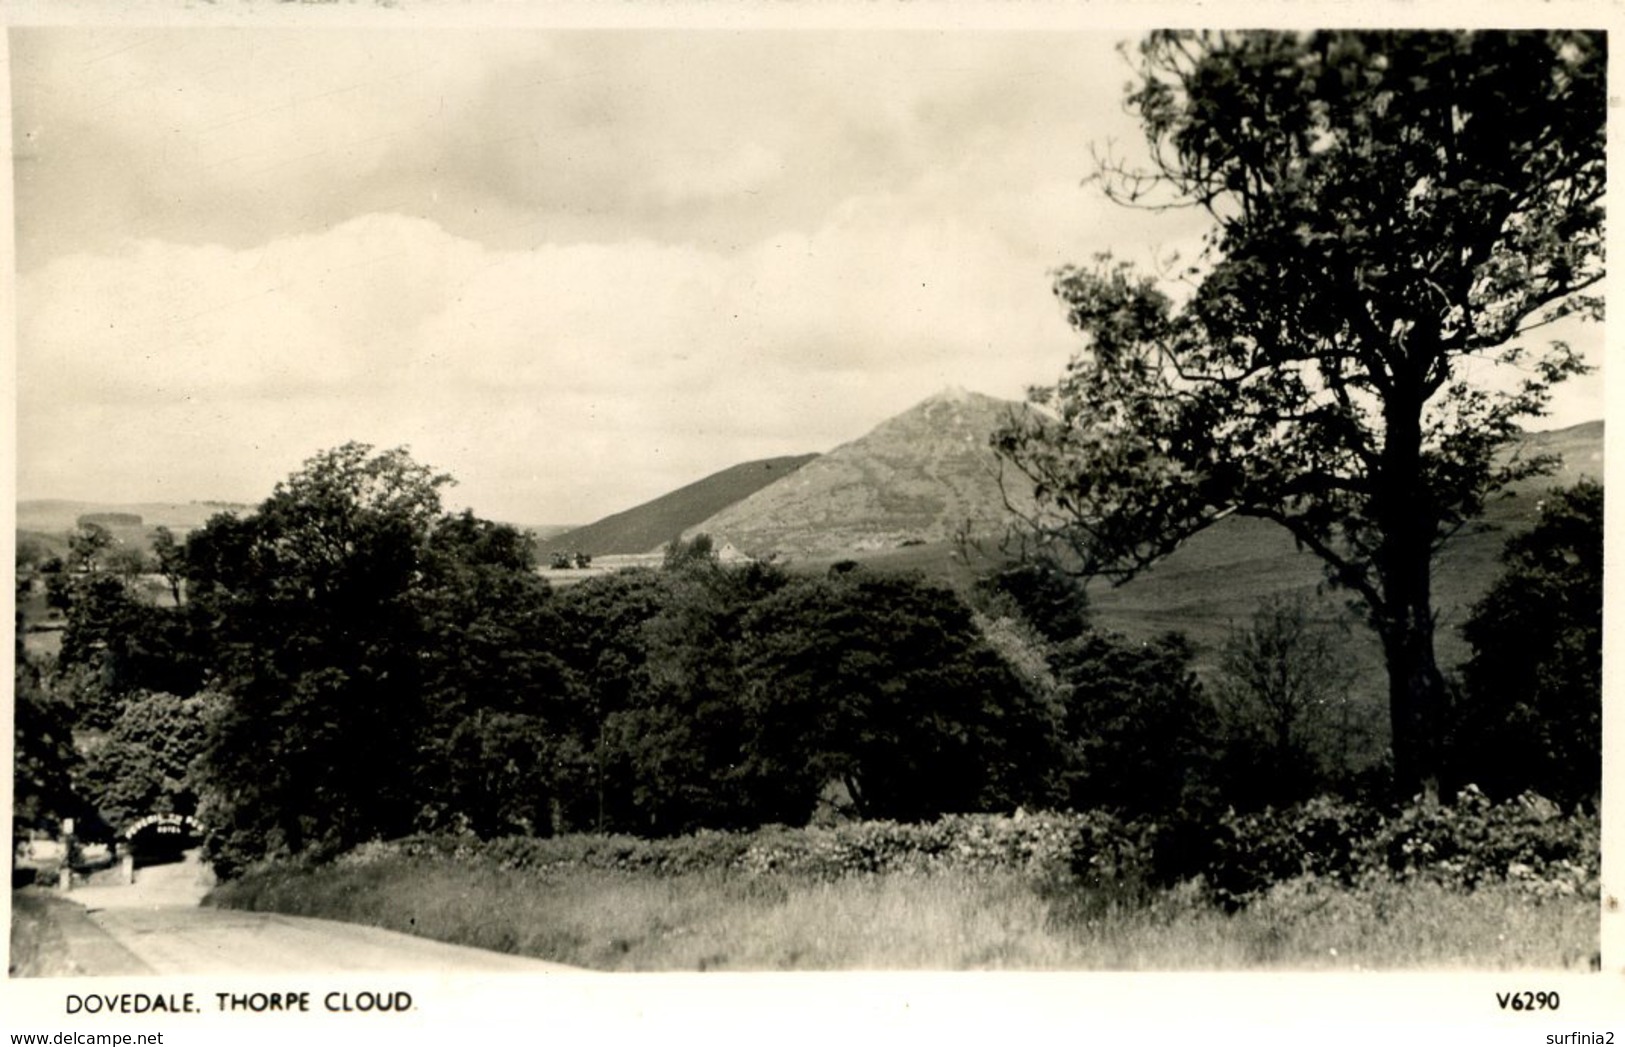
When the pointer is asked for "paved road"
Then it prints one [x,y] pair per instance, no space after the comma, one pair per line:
[156,927]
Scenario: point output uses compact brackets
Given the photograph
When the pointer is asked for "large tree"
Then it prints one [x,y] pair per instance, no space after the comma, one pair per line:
[311,607]
[116,643]
[1532,710]
[385,667]
[674,749]
[885,686]
[1393,213]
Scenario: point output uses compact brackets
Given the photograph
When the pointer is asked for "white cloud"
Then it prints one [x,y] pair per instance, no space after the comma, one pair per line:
[575,270]
[600,373]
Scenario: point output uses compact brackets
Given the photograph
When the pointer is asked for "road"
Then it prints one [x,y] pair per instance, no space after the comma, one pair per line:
[155,926]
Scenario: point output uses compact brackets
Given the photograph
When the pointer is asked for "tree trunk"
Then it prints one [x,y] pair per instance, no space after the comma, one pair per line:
[1415,701]
[1405,620]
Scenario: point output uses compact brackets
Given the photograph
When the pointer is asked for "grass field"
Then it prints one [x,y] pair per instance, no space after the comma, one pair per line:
[949,921]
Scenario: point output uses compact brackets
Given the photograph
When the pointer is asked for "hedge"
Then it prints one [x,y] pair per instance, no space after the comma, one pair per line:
[1527,842]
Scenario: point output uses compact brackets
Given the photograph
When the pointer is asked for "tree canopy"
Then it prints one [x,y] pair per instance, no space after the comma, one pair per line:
[884,685]
[44,760]
[1393,214]
[368,646]
[145,763]
[1531,714]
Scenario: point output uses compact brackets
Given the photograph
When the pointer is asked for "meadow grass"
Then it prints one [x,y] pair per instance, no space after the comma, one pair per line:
[35,937]
[1379,925]
[640,921]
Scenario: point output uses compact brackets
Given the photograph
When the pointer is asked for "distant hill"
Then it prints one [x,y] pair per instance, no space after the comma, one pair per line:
[542,532]
[1217,576]
[46,522]
[647,527]
[916,479]
[58,514]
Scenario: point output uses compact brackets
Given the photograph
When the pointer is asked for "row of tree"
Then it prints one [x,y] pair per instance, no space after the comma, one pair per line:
[356,663]
[349,662]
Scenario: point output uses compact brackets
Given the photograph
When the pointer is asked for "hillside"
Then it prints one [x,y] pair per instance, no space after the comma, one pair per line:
[829,512]
[916,479]
[1215,580]
[1216,576]
[44,523]
[1213,583]
[50,515]
[647,527]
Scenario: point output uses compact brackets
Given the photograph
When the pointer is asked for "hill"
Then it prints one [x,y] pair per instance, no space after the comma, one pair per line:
[1208,586]
[916,472]
[1217,576]
[918,478]
[645,528]
[44,523]
[50,515]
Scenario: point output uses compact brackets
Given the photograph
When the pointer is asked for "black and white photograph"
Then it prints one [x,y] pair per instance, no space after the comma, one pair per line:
[550,505]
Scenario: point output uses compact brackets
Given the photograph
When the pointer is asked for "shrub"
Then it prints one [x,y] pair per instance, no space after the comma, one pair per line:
[1528,842]
[1290,727]
[1038,845]
[1320,837]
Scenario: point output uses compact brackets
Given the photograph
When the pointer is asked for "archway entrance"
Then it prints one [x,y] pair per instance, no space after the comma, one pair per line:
[159,839]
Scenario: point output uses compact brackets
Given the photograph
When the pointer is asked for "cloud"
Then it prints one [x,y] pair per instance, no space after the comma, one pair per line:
[575,269]
[559,384]
[638,365]
[515,138]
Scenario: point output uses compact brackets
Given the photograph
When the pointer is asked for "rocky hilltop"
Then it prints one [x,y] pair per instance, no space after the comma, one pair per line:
[917,478]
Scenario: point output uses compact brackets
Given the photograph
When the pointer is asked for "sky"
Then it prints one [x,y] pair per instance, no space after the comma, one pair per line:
[575,269]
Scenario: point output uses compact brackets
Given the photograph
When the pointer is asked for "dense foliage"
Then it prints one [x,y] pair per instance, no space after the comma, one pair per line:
[727,697]
[1393,213]
[375,666]
[1530,711]
[670,741]
[385,664]
[146,763]
[1041,845]
[116,644]
[353,664]
[44,760]
[1526,841]
[1140,732]
[884,686]
[495,695]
